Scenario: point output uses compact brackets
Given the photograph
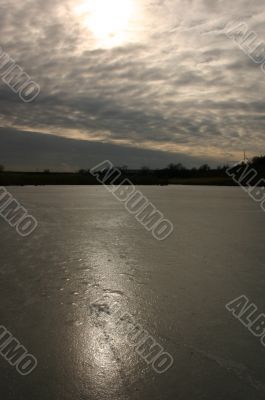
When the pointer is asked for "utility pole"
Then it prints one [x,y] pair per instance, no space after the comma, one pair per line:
[245,157]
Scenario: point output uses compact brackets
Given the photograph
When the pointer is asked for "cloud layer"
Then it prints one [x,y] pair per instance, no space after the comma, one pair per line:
[177,84]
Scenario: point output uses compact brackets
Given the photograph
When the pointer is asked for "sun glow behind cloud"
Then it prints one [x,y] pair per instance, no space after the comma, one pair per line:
[163,76]
[109,21]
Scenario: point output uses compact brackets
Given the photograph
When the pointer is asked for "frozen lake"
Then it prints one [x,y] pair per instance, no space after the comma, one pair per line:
[87,246]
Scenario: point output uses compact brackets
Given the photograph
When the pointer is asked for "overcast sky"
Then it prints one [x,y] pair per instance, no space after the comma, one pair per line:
[136,81]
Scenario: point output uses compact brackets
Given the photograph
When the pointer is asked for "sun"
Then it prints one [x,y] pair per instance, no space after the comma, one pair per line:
[108,20]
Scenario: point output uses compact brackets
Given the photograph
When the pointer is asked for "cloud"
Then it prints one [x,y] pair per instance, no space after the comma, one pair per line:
[33,150]
[178,86]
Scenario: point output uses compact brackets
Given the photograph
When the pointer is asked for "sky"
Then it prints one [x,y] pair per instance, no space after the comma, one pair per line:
[138,82]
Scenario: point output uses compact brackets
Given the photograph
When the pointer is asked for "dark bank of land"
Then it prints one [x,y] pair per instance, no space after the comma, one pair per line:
[174,174]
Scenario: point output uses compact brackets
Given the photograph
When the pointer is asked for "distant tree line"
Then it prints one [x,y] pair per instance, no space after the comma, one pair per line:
[172,174]
[171,171]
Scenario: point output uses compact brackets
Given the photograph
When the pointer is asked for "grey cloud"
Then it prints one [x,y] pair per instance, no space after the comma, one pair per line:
[183,84]
[31,150]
